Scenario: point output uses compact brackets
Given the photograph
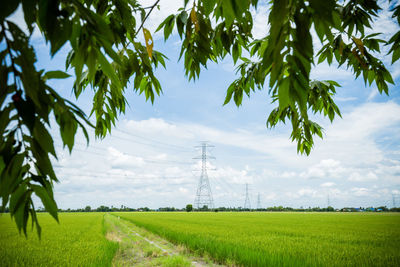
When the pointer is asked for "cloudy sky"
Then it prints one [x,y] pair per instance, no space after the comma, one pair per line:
[148,158]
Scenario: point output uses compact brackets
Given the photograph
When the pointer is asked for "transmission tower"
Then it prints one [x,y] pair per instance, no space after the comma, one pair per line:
[203,193]
[247,204]
[258,201]
[329,201]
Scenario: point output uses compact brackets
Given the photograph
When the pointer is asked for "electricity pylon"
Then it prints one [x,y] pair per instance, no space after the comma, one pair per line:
[247,204]
[203,193]
[258,201]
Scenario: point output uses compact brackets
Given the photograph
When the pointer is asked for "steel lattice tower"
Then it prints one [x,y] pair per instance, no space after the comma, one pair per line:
[247,204]
[203,194]
[258,201]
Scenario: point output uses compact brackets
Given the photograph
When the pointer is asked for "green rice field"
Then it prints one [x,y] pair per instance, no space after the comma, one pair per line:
[239,239]
[282,239]
[79,240]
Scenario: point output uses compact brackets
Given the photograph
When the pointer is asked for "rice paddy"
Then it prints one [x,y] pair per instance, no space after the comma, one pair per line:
[240,239]
[79,240]
[282,239]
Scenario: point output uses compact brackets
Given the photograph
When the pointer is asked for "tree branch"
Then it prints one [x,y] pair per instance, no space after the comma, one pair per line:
[145,18]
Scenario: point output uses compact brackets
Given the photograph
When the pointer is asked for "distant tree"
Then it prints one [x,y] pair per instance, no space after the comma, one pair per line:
[189,207]
[167,209]
[88,209]
[204,208]
[103,209]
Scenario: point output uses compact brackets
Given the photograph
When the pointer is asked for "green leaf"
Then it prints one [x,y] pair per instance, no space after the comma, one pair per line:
[387,76]
[43,162]
[22,213]
[43,138]
[7,8]
[108,69]
[169,26]
[283,93]
[5,118]
[57,74]
[68,127]
[47,200]
[29,8]
[229,93]
[236,52]
[396,55]
[35,221]
[26,111]
[165,22]
[18,197]
[208,6]
[11,176]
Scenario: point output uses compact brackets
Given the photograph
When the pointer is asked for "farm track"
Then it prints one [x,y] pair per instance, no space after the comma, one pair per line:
[139,247]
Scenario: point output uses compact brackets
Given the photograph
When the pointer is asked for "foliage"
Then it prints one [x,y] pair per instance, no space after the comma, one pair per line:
[281,239]
[283,59]
[106,54]
[189,207]
[97,32]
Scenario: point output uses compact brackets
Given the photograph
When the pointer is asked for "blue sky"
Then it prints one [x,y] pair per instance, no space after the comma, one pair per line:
[148,158]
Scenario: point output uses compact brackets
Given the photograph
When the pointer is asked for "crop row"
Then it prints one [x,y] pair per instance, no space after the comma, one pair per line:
[282,239]
[77,241]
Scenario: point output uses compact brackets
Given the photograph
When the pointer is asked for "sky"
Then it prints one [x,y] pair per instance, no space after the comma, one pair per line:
[147,160]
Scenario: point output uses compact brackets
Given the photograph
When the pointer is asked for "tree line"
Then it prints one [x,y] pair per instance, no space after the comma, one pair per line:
[189,208]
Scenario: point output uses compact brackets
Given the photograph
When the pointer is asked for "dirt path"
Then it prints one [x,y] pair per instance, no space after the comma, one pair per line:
[139,247]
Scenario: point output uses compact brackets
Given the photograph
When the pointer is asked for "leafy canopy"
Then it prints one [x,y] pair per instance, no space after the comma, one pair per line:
[106,55]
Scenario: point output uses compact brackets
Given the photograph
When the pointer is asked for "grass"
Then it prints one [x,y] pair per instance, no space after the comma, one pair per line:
[136,250]
[282,239]
[77,241]
[246,239]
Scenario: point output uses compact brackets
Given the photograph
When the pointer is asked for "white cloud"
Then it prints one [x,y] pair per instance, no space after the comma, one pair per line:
[357,177]
[345,99]
[374,92]
[306,192]
[360,191]
[328,184]
[260,19]
[121,160]
[325,168]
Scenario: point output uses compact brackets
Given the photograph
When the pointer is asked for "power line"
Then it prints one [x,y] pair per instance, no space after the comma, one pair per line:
[117,175]
[155,141]
[132,155]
